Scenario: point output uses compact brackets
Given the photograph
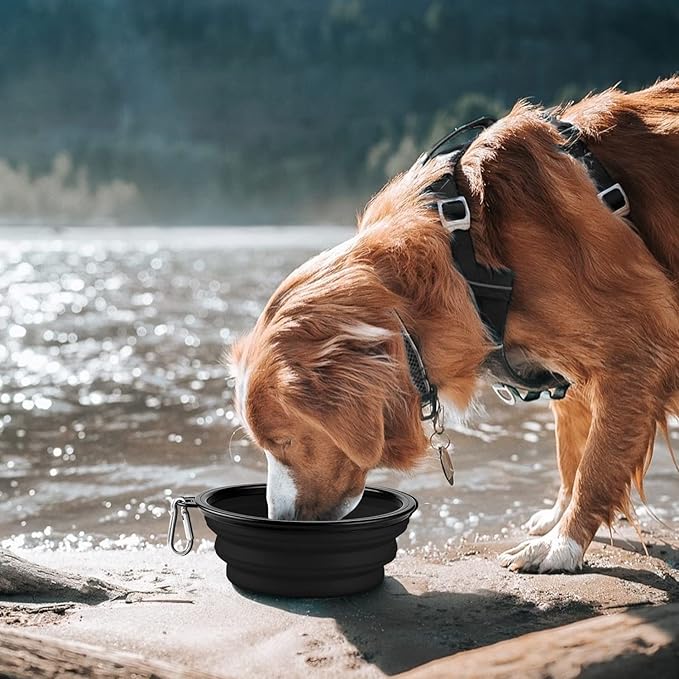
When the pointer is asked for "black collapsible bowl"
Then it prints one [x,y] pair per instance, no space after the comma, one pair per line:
[304,558]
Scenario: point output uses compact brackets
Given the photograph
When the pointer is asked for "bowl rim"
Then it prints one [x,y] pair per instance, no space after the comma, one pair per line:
[408,506]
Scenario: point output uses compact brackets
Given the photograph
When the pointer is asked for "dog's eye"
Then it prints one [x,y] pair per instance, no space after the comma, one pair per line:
[280,442]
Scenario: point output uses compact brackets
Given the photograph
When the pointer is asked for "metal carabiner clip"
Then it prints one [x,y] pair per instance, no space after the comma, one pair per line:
[183,503]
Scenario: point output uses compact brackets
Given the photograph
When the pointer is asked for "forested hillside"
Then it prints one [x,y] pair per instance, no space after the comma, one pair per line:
[280,111]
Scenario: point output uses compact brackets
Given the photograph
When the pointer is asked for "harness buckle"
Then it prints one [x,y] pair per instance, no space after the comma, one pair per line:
[450,218]
[509,394]
[615,198]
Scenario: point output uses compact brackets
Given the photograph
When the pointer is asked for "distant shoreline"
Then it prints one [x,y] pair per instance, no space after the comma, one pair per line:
[193,237]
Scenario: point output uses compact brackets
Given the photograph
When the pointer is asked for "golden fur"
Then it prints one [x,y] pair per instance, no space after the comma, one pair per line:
[328,390]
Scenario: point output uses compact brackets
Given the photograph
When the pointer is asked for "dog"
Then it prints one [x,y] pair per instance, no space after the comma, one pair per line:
[322,382]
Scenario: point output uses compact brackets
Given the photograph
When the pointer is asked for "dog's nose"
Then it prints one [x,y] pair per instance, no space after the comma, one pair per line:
[334,513]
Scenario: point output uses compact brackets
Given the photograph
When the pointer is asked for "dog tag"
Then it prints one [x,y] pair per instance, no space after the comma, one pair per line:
[447,465]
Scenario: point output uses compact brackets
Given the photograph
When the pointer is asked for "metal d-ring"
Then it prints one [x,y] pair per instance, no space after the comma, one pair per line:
[505,393]
[439,438]
[183,503]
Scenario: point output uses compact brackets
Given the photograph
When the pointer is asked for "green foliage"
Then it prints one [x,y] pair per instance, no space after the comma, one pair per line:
[291,110]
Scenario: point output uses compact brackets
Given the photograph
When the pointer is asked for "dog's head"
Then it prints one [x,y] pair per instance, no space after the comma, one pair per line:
[321,384]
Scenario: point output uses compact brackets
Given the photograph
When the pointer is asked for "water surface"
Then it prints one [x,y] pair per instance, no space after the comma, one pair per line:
[113,396]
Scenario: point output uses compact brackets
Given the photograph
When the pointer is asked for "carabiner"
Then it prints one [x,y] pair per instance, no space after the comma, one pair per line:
[183,503]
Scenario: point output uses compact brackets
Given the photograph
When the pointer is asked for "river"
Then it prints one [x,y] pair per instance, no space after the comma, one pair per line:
[113,397]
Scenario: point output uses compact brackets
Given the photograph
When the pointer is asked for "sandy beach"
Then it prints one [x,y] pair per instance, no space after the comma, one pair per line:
[184,613]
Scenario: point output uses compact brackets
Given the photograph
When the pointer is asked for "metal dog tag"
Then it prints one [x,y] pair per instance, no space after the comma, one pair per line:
[447,464]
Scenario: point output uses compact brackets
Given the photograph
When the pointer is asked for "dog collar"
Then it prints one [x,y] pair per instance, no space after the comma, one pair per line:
[429,401]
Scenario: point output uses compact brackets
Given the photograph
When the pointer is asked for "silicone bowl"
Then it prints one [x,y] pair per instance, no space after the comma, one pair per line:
[304,558]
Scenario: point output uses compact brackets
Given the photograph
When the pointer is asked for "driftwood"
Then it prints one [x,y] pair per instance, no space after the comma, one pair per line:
[638,643]
[25,655]
[21,580]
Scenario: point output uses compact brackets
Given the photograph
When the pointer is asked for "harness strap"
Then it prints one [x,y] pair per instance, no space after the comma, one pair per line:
[609,191]
[491,291]
[491,288]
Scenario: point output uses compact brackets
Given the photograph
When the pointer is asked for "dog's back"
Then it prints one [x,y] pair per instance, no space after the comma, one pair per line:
[636,137]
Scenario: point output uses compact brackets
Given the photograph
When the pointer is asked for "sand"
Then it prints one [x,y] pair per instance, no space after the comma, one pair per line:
[184,612]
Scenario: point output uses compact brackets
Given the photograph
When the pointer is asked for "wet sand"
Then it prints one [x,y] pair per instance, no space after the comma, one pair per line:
[432,604]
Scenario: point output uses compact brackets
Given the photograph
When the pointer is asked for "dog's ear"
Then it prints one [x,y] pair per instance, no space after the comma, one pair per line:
[357,428]
[342,384]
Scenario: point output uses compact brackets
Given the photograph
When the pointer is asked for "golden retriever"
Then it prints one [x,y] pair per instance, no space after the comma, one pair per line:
[322,383]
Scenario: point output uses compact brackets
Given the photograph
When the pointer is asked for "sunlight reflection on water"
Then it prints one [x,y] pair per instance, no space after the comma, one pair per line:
[113,396]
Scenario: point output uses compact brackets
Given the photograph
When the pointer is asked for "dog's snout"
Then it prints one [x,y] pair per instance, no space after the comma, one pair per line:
[308,502]
[333,513]
[281,491]
[280,514]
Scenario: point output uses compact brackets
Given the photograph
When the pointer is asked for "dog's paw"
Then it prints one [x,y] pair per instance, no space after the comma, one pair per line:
[548,554]
[543,521]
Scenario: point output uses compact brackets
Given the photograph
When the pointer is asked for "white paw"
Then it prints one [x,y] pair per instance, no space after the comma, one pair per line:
[547,554]
[543,521]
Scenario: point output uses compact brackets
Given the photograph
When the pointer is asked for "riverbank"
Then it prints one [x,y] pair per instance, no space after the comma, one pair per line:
[185,614]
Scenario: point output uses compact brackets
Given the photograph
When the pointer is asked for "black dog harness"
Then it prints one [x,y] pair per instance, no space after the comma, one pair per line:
[491,289]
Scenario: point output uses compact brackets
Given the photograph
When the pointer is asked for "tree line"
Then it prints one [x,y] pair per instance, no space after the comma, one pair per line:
[286,111]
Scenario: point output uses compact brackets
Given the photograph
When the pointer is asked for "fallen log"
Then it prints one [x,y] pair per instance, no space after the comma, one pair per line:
[21,580]
[639,642]
[25,655]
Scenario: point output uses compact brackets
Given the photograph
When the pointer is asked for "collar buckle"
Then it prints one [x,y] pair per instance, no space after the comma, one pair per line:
[429,404]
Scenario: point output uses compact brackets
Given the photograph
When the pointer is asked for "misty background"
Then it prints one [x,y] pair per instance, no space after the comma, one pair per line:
[293,111]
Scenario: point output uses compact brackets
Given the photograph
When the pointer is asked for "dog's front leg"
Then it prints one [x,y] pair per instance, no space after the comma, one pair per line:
[621,431]
[572,417]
